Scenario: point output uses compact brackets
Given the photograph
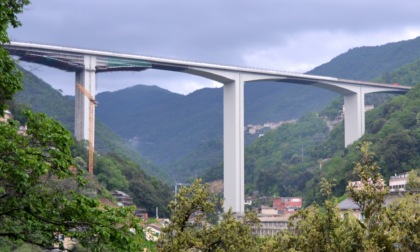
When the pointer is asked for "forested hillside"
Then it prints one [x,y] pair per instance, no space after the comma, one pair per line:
[291,160]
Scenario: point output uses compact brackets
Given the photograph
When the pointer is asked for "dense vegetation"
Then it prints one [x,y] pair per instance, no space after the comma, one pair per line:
[118,172]
[42,189]
[43,192]
[195,225]
[277,164]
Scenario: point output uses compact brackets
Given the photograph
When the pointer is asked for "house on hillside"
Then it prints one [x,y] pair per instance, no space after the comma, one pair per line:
[142,214]
[398,182]
[271,221]
[271,224]
[122,198]
[287,204]
[348,205]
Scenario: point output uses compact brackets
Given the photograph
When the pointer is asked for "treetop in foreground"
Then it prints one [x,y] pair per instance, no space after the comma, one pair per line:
[41,192]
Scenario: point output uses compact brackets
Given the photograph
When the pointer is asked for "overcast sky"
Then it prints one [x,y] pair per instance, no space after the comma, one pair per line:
[290,35]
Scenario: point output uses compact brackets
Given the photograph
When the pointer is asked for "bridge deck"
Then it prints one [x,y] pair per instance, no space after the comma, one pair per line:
[71,59]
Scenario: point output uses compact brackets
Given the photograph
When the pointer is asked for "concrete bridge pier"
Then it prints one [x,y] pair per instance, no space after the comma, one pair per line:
[233,144]
[87,78]
[354,117]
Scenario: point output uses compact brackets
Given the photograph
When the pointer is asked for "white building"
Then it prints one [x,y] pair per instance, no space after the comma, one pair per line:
[398,182]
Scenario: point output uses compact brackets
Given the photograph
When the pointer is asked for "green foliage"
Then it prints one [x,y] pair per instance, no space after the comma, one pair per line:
[117,172]
[203,157]
[148,192]
[399,224]
[110,174]
[407,75]
[333,109]
[40,195]
[189,229]
[39,186]
[269,161]
[371,197]
[413,183]
[43,98]
[10,77]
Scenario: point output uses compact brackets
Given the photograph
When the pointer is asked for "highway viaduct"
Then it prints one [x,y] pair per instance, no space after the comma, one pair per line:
[86,63]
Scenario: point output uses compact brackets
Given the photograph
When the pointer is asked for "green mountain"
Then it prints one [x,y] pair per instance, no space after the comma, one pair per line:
[177,132]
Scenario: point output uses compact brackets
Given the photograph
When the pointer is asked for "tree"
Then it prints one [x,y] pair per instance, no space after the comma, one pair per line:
[370,197]
[413,183]
[190,230]
[10,77]
[41,190]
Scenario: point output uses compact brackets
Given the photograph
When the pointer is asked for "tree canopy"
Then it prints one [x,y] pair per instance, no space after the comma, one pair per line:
[41,188]
[42,192]
[10,77]
[190,227]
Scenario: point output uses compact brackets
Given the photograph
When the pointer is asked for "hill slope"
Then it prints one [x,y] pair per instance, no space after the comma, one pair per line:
[368,62]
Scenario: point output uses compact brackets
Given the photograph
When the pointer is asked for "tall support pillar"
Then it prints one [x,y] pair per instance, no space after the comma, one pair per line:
[354,117]
[87,78]
[233,137]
